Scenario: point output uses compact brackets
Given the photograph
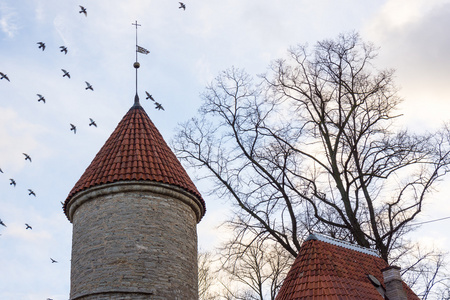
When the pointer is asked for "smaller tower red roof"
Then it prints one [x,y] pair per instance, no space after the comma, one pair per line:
[135,151]
[326,268]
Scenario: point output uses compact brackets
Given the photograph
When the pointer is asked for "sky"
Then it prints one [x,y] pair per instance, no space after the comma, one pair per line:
[188,48]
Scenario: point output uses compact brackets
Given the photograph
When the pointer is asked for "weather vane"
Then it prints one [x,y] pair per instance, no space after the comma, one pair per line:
[136,64]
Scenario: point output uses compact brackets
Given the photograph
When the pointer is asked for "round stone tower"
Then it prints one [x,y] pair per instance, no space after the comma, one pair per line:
[134,213]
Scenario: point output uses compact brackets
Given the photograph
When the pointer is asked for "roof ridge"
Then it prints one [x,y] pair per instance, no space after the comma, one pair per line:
[341,243]
[334,269]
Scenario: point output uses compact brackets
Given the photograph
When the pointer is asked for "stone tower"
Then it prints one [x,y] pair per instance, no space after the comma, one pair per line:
[134,213]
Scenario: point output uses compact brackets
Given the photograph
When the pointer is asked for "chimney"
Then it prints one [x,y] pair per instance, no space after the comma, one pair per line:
[393,283]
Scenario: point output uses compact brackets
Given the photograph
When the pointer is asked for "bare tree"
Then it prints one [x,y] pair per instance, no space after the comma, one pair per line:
[426,272]
[205,276]
[258,266]
[313,146]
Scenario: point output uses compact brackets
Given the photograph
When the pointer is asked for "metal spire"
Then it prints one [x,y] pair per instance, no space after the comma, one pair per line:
[136,66]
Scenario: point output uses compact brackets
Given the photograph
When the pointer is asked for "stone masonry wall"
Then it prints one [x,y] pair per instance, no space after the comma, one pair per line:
[133,245]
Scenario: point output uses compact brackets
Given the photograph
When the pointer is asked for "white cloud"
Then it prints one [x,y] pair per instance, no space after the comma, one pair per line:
[18,136]
[40,11]
[8,20]
[415,42]
[399,13]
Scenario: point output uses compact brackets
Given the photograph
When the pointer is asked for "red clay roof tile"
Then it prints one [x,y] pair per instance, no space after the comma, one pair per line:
[330,271]
[135,151]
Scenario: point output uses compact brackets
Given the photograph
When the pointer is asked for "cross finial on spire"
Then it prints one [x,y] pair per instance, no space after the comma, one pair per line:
[136,25]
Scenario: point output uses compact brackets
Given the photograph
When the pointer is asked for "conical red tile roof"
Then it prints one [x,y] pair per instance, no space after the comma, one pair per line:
[135,151]
[334,270]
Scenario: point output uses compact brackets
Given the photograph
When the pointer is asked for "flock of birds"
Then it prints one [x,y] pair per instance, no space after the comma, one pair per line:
[66,73]
[158,105]
[89,86]
[13,183]
[41,98]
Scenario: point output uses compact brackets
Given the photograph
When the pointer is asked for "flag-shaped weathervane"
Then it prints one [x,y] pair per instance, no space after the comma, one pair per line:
[142,50]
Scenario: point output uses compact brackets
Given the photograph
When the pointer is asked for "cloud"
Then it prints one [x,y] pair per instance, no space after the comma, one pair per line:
[40,11]
[420,31]
[416,43]
[17,135]
[8,20]
[398,13]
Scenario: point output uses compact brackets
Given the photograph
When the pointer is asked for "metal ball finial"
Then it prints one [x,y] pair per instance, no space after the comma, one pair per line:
[136,65]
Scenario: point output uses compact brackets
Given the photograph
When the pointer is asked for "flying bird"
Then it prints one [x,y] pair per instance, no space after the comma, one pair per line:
[1,171]
[182,5]
[158,106]
[41,98]
[74,128]
[41,45]
[28,226]
[83,10]
[65,73]
[63,49]
[53,261]
[149,96]
[13,182]
[27,157]
[92,123]
[31,192]
[1,223]
[4,76]
[89,86]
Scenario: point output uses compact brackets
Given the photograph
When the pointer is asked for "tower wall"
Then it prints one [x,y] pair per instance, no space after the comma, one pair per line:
[134,240]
